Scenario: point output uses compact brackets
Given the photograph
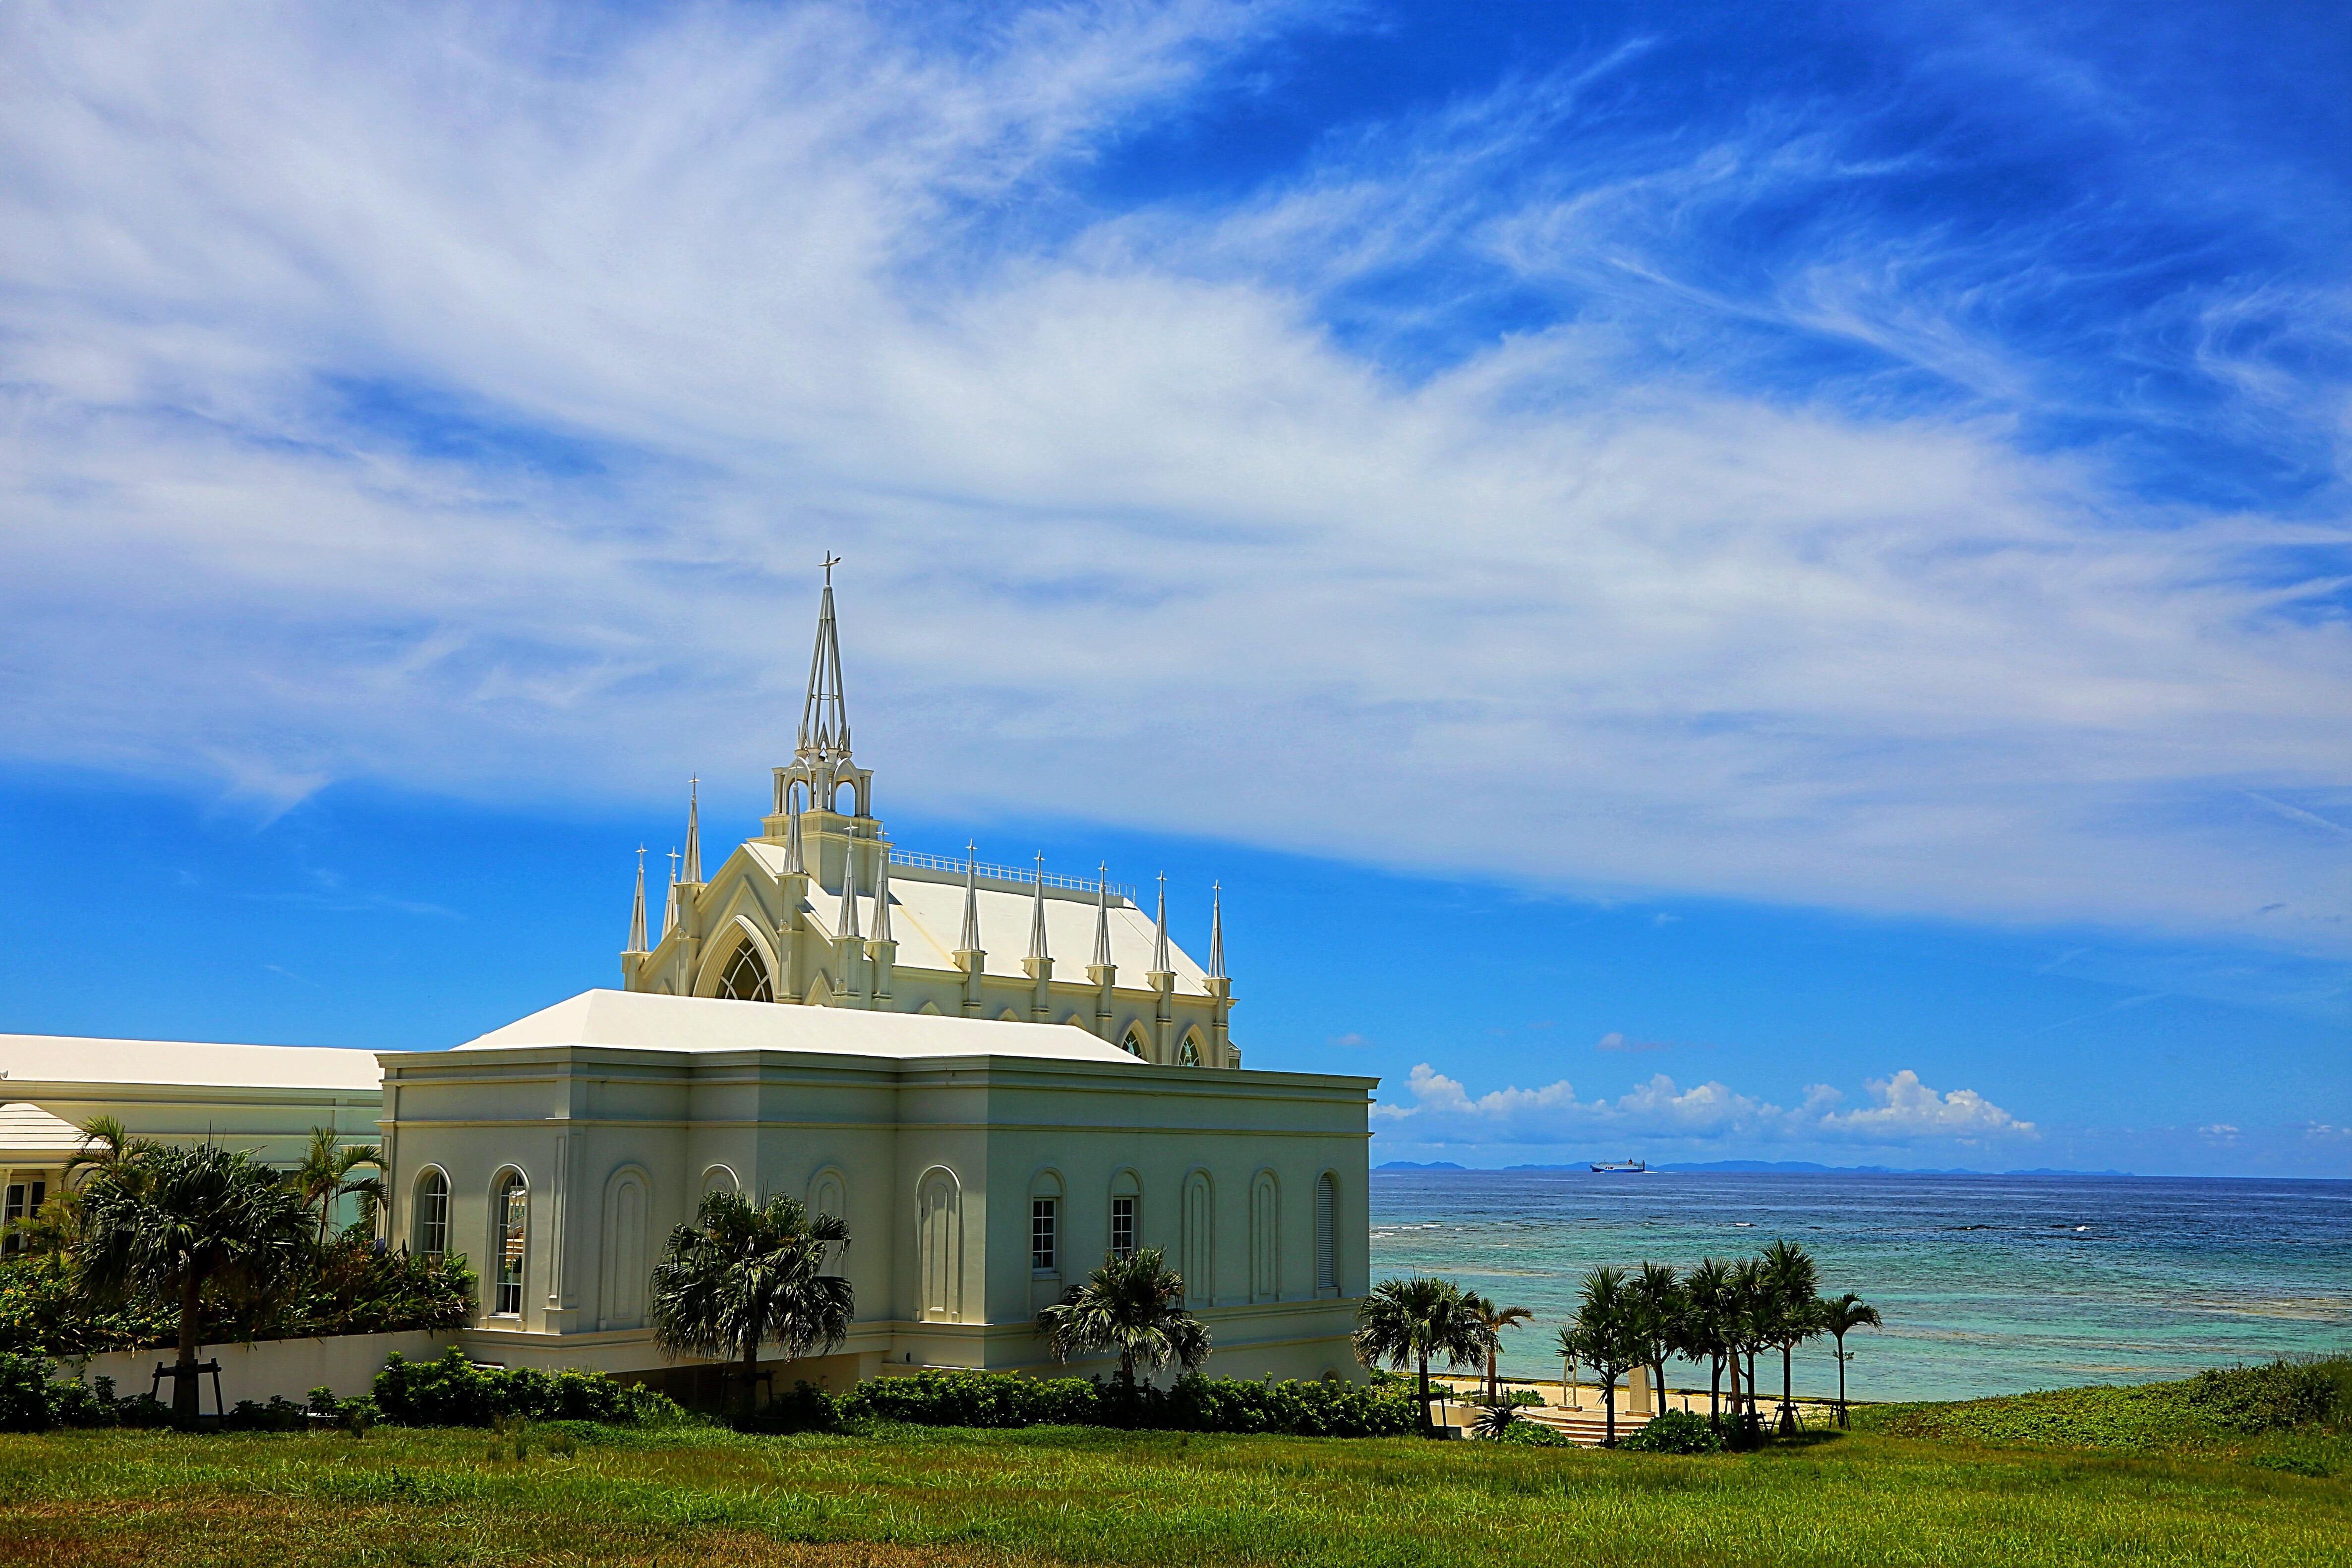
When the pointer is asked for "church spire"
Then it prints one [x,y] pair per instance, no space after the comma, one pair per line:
[1037,914]
[693,872]
[669,905]
[637,913]
[882,895]
[1216,931]
[971,943]
[1102,917]
[1160,963]
[825,721]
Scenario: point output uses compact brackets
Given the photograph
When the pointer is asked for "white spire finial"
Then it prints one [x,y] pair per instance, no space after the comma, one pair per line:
[693,872]
[1216,931]
[825,720]
[1102,917]
[637,912]
[670,905]
[970,900]
[847,924]
[1037,914]
[1160,963]
[882,897]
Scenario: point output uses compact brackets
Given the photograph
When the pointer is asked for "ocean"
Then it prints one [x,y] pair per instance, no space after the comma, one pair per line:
[1989,1284]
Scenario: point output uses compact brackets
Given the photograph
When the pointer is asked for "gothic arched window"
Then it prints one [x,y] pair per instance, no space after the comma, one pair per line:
[1134,1043]
[433,1213]
[510,1215]
[746,980]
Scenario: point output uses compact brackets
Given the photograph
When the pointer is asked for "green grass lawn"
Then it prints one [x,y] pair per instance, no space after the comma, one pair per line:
[908,1495]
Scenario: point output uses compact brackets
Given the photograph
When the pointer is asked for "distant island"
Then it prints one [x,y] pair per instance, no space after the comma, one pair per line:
[1759,1168]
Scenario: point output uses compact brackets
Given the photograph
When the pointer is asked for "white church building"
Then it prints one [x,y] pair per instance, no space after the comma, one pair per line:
[830,1017]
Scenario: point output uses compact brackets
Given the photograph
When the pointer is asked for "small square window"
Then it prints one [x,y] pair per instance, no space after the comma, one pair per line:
[1042,1258]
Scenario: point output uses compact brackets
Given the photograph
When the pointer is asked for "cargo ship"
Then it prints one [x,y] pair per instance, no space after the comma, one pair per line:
[1632,1167]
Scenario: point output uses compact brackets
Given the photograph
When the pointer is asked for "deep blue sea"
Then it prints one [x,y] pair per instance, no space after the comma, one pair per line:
[1989,1284]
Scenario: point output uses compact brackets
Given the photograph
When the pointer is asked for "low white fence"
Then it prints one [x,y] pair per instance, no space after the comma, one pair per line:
[290,1367]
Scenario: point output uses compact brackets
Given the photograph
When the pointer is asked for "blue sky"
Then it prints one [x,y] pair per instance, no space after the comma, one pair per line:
[1717,582]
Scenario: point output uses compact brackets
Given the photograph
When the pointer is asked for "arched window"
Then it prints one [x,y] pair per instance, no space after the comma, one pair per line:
[939,1241]
[829,1195]
[746,980]
[1266,1239]
[1126,1214]
[1327,1219]
[718,1178]
[431,1231]
[1046,1225]
[510,1213]
[1135,1044]
[1198,1256]
[1189,1055]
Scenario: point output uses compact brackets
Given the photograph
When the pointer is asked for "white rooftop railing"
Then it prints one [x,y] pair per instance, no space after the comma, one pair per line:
[957,863]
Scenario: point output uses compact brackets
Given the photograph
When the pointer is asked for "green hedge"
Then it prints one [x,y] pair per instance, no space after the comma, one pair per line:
[1674,1432]
[1195,1404]
[454,1392]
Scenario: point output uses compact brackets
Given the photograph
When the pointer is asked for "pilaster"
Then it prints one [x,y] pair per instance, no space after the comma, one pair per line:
[880,956]
[1041,979]
[973,962]
[1163,1013]
[1102,977]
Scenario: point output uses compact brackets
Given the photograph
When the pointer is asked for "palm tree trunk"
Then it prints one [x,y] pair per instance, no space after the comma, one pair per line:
[751,1374]
[1659,1367]
[1494,1383]
[1715,1393]
[185,1405]
[1841,1355]
[1609,1404]
[1788,1402]
[1428,1425]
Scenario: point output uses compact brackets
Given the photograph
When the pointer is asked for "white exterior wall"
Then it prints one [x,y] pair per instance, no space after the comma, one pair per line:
[574,1118]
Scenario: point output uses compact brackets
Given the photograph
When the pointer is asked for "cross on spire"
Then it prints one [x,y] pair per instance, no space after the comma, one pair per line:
[825,720]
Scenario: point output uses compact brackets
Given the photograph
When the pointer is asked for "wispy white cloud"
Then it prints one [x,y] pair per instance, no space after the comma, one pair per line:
[457,400]
[1902,1112]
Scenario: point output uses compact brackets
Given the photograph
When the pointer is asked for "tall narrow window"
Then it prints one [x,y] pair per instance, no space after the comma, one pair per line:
[513,1213]
[1042,1257]
[1326,1265]
[433,1214]
[1266,1239]
[1122,1227]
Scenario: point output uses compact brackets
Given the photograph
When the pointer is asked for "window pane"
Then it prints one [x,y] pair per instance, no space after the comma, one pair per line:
[1041,1235]
[1122,1226]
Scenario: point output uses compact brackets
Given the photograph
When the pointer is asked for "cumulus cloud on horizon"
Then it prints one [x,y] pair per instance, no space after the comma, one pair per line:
[461,399]
[1902,1112]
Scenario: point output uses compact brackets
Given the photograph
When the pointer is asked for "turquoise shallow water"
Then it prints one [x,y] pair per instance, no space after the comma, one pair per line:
[1989,1284]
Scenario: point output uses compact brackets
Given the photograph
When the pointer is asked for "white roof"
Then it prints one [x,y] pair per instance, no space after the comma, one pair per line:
[29,1130]
[648,1021]
[64,1058]
[927,922]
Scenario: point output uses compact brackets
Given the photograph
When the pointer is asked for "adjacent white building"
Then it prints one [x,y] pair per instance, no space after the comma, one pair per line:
[836,1019]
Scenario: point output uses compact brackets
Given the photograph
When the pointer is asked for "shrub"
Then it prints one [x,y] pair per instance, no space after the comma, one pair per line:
[2273,1396]
[1535,1435]
[454,1392]
[31,1400]
[807,1408]
[25,1393]
[975,1399]
[1674,1432]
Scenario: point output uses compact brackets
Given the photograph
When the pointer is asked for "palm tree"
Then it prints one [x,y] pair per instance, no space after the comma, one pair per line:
[1134,1305]
[1749,1322]
[1604,1337]
[741,1277]
[1406,1321]
[1708,1327]
[48,1233]
[106,1145]
[1793,1289]
[1660,1306]
[1494,1320]
[1840,1318]
[177,1222]
[324,1178]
